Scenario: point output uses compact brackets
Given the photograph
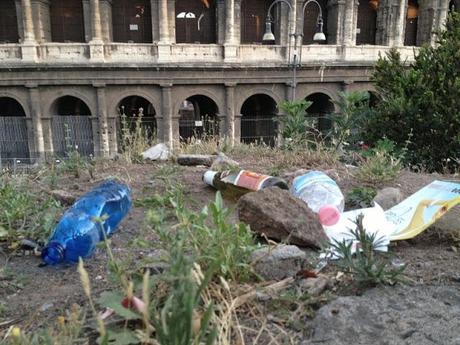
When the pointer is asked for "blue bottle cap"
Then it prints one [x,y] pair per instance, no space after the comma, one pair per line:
[53,253]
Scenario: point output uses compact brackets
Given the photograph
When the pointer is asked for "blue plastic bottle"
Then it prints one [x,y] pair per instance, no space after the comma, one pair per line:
[77,233]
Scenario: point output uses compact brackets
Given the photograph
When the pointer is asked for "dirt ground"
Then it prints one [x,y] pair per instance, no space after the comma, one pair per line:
[34,296]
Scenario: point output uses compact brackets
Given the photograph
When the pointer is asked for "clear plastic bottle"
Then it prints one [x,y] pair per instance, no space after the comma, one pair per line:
[317,190]
[77,233]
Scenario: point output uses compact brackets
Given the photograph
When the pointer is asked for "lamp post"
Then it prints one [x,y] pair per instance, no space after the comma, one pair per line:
[319,35]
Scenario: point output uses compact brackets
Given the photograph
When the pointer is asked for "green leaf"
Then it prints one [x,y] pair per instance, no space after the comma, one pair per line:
[112,300]
[3,232]
[123,337]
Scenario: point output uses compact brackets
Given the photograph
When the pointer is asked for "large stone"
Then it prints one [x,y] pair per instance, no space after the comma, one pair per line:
[63,196]
[278,263]
[223,163]
[401,315]
[315,286]
[389,197]
[158,152]
[277,214]
[191,160]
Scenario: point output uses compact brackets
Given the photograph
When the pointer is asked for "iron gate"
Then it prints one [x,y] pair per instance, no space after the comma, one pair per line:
[126,125]
[258,129]
[72,132]
[207,127]
[13,137]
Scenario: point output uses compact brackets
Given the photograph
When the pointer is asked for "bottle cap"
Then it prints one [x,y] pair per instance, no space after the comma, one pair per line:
[208,177]
[53,253]
[328,215]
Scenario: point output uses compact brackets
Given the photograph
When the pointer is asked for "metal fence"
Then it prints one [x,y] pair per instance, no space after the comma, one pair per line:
[72,132]
[13,137]
[127,126]
[258,129]
[208,126]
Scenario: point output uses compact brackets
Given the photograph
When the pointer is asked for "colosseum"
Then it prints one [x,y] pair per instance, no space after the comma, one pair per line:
[71,69]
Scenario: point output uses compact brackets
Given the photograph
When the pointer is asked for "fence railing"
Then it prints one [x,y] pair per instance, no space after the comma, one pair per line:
[257,129]
[72,132]
[13,137]
[207,126]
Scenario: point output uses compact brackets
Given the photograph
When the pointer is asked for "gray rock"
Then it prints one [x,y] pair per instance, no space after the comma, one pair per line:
[223,163]
[389,197]
[158,152]
[315,286]
[64,197]
[394,315]
[450,222]
[278,263]
[190,160]
[279,215]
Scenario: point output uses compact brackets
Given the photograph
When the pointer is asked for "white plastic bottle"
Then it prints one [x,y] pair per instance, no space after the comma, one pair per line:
[317,189]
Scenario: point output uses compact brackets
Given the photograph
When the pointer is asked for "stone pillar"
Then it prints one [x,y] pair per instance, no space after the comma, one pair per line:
[230,111]
[155,20]
[237,22]
[163,23]
[440,18]
[41,19]
[29,45]
[230,47]
[385,23]
[103,137]
[335,20]
[87,19]
[428,19]
[166,109]
[172,20]
[221,14]
[106,20]
[399,24]
[96,46]
[349,24]
[36,115]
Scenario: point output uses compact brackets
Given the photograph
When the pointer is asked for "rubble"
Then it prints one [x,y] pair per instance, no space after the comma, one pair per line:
[388,197]
[191,159]
[158,152]
[277,214]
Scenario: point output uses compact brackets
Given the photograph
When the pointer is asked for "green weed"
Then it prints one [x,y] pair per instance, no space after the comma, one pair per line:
[361,197]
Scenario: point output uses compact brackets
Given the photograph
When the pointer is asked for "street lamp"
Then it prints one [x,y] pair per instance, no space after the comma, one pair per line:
[319,35]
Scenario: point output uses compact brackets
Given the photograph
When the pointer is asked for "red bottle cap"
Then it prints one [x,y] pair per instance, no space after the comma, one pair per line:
[328,215]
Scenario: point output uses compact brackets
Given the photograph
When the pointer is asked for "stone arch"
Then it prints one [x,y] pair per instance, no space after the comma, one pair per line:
[367,22]
[195,21]
[67,23]
[454,5]
[410,32]
[22,102]
[181,96]
[73,93]
[9,32]
[322,106]
[71,126]
[198,117]
[127,14]
[14,141]
[258,90]
[130,110]
[116,97]
[257,119]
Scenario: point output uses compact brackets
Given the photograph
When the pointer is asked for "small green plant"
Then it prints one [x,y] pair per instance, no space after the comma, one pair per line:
[367,267]
[361,197]
[295,126]
[381,164]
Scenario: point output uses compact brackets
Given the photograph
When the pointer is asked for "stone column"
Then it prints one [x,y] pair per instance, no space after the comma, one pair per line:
[399,23]
[164,26]
[166,109]
[427,19]
[41,19]
[96,46]
[155,20]
[230,48]
[237,22]
[103,137]
[335,20]
[349,25]
[221,21]
[36,115]
[440,18]
[385,23]
[29,45]
[230,111]
[106,20]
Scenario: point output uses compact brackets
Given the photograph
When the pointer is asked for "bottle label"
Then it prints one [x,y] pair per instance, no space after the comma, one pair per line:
[250,180]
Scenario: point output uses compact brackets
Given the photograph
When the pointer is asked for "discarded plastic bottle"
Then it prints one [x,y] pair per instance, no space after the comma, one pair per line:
[241,182]
[78,232]
[317,190]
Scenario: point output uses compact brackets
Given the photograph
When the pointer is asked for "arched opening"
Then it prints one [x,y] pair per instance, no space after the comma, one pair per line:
[367,22]
[253,16]
[136,115]
[198,118]
[410,35]
[454,5]
[319,109]
[14,141]
[67,23]
[8,22]
[257,120]
[132,21]
[71,126]
[195,21]
[310,24]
